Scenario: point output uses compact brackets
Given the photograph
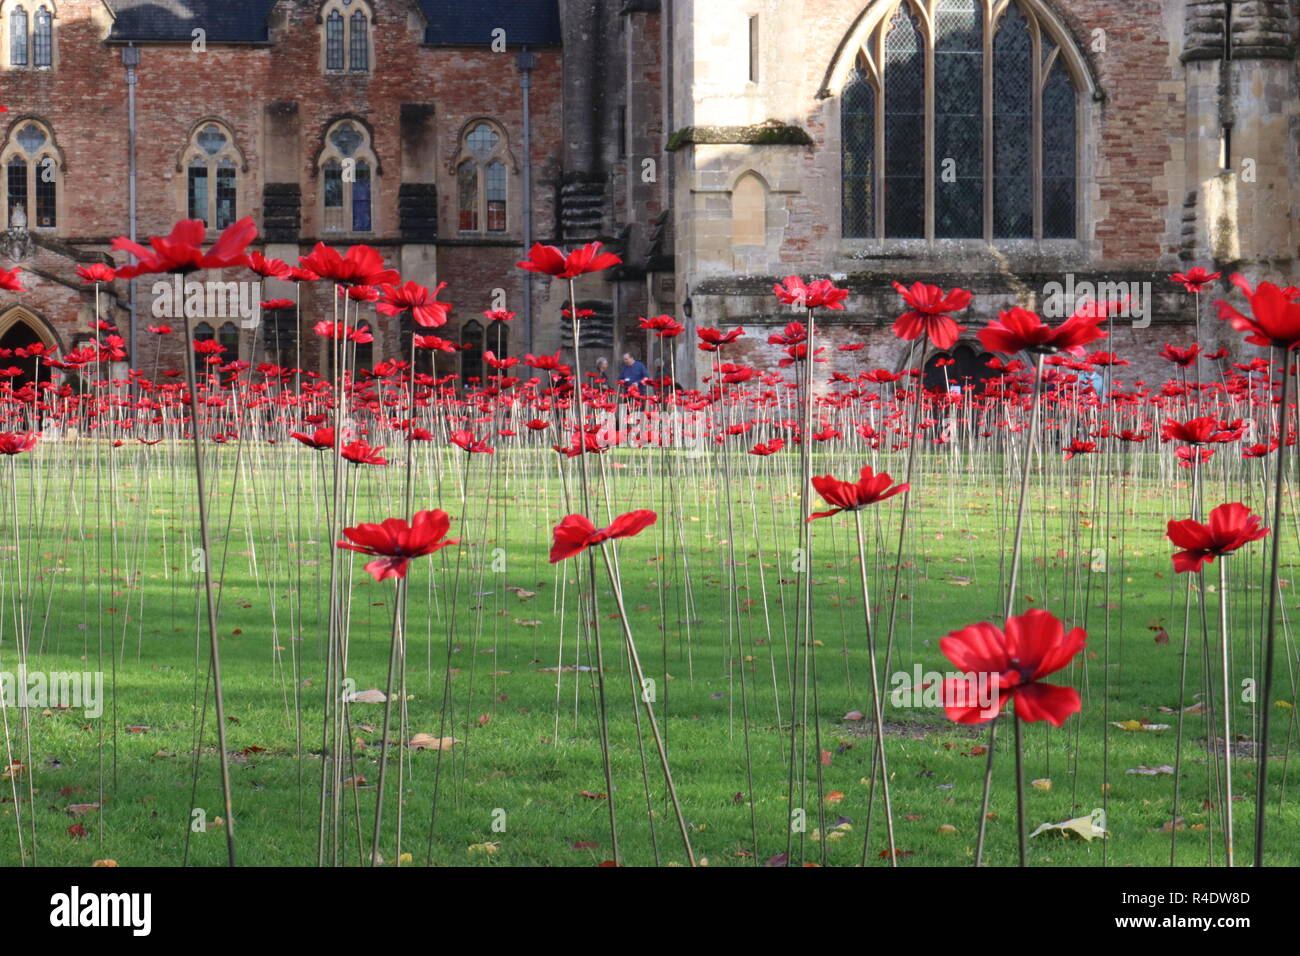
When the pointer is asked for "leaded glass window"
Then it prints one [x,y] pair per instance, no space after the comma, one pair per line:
[43,39]
[959,120]
[359,42]
[334,41]
[904,127]
[212,176]
[960,126]
[18,37]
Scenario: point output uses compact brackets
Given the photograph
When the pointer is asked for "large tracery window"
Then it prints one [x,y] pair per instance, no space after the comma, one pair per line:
[958,121]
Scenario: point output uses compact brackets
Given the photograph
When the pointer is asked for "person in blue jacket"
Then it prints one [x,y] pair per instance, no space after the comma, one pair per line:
[633,372]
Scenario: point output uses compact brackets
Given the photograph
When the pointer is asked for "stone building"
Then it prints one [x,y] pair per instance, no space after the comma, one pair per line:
[1017,148]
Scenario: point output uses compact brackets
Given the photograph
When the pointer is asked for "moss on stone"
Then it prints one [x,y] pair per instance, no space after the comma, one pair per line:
[768,133]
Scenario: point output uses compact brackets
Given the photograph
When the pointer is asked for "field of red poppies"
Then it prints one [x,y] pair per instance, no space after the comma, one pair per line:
[821,614]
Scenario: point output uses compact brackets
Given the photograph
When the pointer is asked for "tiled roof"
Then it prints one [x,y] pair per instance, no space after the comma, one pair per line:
[450,22]
[161,21]
[461,23]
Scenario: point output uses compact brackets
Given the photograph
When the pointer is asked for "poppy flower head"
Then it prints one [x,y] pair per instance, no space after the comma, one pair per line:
[813,295]
[1195,279]
[548,260]
[424,306]
[361,266]
[182,251]
[1275,314]
[928,314]
[1011,662]
[394,543]
[96,272]
[12,443]
[1017,330]
[576,533]
[711,340]
[869,489]
[663,326]
[1230,526]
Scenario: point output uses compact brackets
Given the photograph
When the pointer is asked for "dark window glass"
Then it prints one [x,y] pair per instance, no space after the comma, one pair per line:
[753,49]
[471,359]
[1058,155]
[334,41]
[498,339]
[17,186]
[225,193]
[202,333]
[333,185]
[43,39]
[904,127]
[46,193]
[467,191]
[496,196]
[858,156]
[359,42]
[361,198]
[198,191]
[18,37]
[959,120]
[1013,216]
[228,336]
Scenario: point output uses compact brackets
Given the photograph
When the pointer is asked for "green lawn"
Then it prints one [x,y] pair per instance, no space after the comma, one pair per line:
[105,582]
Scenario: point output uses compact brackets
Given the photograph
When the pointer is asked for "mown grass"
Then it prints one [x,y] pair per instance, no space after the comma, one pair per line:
[524,758]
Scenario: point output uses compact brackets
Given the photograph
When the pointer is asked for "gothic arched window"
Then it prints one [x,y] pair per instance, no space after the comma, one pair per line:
[348,166]
[27,33]
[471,358]
[481,180]
[959,121]
[347,36]
[31,170]
[212,164]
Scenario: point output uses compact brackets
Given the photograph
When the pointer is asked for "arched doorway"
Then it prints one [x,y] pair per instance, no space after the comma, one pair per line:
[18,330]
[968,369]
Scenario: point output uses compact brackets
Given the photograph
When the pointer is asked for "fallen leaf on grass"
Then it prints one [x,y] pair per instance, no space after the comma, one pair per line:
[488,848]
[372,696]
[77,809]
[1137,725]
[1151,771]
[1089,827]
[430,742]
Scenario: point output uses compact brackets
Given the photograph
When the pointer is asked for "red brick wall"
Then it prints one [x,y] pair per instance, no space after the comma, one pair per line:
[84,102]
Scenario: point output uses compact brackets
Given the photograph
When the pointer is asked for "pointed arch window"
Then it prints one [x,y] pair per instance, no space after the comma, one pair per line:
[27,34]
[348,168]
[212,164]
[347,36]
[959,121]
[482,180]
[471,358]
[202,333]
[32,172]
